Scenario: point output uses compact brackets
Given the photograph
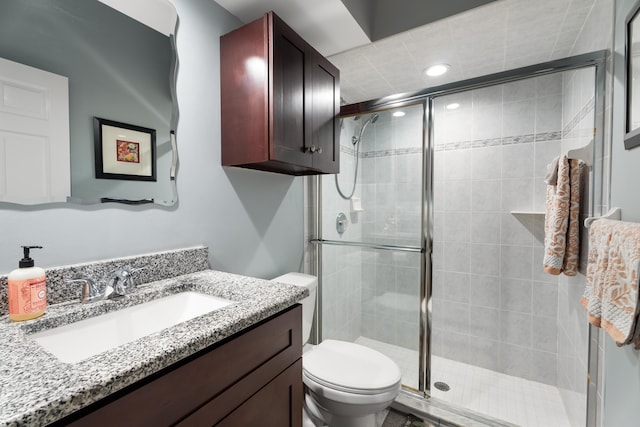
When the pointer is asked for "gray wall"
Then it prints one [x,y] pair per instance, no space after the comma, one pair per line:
[622,365]
[251,221]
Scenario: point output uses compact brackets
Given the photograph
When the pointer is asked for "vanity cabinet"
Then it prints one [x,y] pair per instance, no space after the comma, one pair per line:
[252,378]
[280,101]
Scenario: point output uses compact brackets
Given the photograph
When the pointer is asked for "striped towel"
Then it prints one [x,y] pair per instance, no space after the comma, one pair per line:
[611,294]
[562,217]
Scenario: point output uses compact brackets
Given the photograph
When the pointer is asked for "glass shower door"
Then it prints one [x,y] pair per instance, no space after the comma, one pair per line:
[371,256]
[507,338]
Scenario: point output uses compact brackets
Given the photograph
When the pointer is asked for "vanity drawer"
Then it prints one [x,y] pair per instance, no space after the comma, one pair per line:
[228,373]
[279,403]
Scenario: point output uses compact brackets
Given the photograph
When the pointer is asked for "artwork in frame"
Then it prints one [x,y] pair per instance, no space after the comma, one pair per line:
[124,151]
[632,77]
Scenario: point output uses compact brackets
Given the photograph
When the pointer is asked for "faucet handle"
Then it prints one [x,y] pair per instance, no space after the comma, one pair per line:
[136,269]
[90,290]
[121,281]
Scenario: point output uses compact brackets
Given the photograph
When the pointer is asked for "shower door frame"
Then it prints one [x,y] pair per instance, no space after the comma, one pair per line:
[598,61]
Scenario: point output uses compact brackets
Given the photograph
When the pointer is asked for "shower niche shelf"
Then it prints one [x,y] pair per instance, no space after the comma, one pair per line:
[280,101]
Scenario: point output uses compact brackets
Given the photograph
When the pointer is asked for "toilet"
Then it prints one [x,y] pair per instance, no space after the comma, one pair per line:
[345,383]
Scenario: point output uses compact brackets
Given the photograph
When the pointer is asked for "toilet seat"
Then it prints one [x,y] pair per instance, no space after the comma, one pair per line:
[350,368]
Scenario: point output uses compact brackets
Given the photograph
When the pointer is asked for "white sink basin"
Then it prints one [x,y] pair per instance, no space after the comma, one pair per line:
[80,340]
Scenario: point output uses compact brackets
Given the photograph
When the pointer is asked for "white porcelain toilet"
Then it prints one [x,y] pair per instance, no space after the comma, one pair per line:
[345,383]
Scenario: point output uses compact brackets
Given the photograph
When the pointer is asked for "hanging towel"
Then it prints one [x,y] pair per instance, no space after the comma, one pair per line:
[562,216]
[552,172]
[611,294]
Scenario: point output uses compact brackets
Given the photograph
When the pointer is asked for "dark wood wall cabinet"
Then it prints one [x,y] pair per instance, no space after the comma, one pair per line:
[253,378]
[280,101]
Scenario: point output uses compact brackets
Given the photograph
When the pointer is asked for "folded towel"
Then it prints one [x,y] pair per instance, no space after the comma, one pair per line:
[562,217]
[611,294]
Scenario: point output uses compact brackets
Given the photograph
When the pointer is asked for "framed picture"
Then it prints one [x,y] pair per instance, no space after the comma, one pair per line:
[632,79]
[124,151]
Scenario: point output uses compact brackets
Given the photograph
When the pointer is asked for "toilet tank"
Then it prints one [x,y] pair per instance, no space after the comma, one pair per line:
[308,303]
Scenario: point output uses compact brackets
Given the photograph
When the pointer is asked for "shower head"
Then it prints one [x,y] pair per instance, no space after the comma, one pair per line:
[372,119]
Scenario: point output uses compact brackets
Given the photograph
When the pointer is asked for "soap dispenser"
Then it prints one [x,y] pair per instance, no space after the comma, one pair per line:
[27,289]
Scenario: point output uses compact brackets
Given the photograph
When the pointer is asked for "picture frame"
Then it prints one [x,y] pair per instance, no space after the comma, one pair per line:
[632,79]
[124,151]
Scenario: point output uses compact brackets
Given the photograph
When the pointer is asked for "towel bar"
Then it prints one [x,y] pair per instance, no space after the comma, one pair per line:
[584,153]
[614,213]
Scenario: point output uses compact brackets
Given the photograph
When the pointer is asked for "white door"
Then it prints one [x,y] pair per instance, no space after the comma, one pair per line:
[34,135]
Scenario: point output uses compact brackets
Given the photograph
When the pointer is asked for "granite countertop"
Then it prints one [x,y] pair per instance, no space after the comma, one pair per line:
[37,389]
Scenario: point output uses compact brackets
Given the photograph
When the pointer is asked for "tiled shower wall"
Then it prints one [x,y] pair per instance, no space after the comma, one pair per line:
[391,199]
[369,292]
[573,328]
[341,265]
[493,305]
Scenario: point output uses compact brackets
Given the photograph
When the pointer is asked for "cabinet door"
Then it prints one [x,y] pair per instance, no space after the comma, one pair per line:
[288,96]
[278,404]
[244,86]
[323,94]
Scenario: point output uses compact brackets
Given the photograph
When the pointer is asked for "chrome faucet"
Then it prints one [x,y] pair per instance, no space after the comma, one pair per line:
[122,282]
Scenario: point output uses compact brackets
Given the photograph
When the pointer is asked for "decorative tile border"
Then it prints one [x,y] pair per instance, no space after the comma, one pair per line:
[549,136]
[522,139]
[581,114]
[492,142]
[381,153]
[391,152]
[348,150]
[495,142]
[485,143]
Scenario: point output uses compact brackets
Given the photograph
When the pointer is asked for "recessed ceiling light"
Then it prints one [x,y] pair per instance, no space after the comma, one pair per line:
[399,114]
[453,106]
[437,70]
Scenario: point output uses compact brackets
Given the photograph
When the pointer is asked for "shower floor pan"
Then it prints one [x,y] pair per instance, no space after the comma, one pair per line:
[512,399]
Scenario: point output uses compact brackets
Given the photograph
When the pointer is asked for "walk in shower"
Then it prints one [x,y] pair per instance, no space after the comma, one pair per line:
[430,242]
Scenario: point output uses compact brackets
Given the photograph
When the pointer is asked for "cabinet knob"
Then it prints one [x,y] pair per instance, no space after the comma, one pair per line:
[314,149]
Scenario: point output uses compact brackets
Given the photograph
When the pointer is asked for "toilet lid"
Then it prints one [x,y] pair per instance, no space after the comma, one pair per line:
[350,367]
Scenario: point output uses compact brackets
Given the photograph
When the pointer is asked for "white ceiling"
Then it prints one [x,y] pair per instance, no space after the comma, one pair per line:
[325,24]
[499,36]
[160,15]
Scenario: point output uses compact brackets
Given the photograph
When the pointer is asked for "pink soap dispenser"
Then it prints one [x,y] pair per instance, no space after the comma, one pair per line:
[27,289]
